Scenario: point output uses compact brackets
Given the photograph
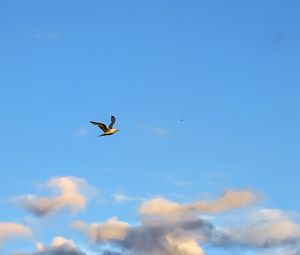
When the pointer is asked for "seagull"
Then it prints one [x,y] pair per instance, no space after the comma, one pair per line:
[106,130]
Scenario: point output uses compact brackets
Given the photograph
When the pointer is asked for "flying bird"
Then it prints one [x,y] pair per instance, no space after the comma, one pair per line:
[106,130]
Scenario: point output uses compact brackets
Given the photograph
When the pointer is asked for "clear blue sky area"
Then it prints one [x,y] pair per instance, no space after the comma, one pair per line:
[206,95]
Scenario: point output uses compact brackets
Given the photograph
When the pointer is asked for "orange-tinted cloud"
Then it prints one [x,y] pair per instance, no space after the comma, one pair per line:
[59,246]
[230,199]
[10,230]
[72,195]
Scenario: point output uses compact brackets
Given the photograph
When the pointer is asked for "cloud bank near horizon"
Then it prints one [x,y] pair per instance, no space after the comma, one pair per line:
[166,227]
[58,246]
[173,228]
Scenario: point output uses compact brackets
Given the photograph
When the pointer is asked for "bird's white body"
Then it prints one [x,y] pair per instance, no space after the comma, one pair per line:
[110,131]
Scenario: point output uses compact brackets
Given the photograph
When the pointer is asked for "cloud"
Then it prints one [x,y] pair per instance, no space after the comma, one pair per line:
[184,245]
[72,195]
[112,229]
[169,228]
[230,199]
[266,228]
[182,183]
[282,251]
[157,131]
[10,230]
[168,237]
[161,207]
[82,132]
[155,236]
[111,252]
[120,198]
[150,239]
[59,246]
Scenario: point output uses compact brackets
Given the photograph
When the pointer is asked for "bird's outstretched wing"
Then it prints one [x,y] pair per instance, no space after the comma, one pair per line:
[102,126]
[113,120]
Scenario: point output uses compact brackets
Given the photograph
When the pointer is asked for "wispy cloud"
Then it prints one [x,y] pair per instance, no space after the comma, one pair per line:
[282,251]
[215,178]
[157,131]
[73,194]
[182,183]
[10,230]
[121,198]
[230,199]
[82,132]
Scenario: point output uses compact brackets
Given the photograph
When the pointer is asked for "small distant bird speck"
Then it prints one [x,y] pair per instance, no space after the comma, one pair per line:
[106,130]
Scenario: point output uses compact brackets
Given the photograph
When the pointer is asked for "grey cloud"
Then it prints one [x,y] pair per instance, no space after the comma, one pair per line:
[59,246]
[266,228]
[56,251]
[111,252]
[167,227]
[281,251]
[152,239]
[157,237]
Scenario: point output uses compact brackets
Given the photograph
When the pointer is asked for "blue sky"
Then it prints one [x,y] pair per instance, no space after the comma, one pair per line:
[206,95]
